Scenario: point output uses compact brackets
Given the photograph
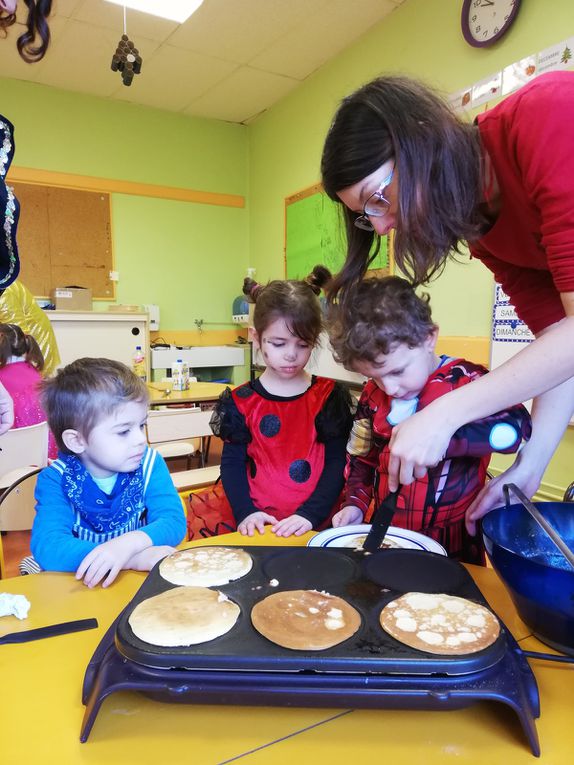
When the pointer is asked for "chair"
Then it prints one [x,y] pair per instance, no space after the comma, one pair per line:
[174,432]
[23,453]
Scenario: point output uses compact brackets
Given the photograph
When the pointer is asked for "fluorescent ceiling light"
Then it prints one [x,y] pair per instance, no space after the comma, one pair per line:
[174,10]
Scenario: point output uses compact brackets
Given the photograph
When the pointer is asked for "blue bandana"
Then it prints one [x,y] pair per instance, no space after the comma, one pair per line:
[101,516]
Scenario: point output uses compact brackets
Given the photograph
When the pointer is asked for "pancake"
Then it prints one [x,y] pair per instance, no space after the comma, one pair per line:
[183,616]
[442,624]
[358,542]
[206,566]
[305,620]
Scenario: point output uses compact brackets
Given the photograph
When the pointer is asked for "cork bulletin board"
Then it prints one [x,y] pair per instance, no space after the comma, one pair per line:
[315,234]
[64,239]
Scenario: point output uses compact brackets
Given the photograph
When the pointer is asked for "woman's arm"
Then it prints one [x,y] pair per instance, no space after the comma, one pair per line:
[547,362]
[551,412]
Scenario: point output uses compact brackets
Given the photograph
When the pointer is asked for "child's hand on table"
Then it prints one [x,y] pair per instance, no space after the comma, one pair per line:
[294,524]
[109,558]
[146,559]
[347,516]
[255,521]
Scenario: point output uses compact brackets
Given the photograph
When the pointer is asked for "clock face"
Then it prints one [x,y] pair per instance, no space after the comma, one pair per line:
[485,21]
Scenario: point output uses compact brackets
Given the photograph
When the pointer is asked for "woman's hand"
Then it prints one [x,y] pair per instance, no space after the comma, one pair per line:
[416,444]
[294,524]
[255,521]
[526,474]
[347,516]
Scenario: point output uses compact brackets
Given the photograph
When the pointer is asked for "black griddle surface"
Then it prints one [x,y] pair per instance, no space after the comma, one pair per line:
[367,582]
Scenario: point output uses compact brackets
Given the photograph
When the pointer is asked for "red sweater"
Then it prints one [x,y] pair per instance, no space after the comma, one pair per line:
[530,248]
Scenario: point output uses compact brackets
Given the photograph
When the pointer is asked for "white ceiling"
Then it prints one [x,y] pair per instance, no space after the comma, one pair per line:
[231,60]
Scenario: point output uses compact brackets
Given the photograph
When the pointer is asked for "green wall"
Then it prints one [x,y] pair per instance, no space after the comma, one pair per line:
[188,258]
[421,38]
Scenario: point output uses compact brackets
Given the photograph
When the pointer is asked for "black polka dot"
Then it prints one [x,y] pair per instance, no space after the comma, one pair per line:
[252,467]
[300,471]
[270,425]
[245,391]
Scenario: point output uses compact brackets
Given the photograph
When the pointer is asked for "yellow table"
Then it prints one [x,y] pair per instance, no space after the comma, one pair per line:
[197,393]
[41,710]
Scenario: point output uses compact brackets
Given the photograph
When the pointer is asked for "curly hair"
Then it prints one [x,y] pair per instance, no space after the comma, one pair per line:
[377,315]
[438,158]
[293,300]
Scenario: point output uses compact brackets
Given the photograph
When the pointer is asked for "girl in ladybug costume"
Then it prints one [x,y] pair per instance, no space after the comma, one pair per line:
[284,433]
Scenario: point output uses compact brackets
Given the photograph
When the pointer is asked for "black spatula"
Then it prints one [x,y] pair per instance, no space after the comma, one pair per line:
[25,636]
[381,521]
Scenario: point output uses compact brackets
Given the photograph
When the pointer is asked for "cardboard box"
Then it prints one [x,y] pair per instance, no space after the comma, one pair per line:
[72,298]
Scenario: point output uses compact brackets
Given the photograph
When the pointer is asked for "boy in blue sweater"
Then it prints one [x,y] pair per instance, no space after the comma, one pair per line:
[108,502]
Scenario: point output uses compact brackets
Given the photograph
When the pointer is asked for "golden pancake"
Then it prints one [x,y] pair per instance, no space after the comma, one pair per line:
[440,623]
[358,542]
[183,616]
[205,566]
[305,620]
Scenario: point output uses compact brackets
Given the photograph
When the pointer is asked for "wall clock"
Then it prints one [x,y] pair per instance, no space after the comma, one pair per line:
[484,22]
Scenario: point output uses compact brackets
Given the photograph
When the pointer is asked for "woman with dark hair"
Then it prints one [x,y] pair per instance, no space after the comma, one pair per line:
[36,24]
[396,157]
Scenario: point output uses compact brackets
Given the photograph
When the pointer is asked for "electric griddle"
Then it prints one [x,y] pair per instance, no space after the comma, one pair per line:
[369,670]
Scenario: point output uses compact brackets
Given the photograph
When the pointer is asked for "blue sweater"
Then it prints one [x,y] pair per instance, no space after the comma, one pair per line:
[56,544]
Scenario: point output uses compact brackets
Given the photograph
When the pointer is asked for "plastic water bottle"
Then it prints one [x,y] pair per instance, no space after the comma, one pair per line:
[138,363]
[185,375]
[177,381]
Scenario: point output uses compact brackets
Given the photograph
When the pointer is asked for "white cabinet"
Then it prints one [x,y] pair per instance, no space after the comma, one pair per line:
[199,356]
[107,335]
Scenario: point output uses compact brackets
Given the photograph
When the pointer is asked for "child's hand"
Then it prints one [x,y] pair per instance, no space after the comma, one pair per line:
[110,558]
[146,559]
[347,516]
[295,524]
[255,521]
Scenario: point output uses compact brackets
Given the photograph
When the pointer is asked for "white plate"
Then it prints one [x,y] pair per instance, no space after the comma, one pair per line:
[346,536]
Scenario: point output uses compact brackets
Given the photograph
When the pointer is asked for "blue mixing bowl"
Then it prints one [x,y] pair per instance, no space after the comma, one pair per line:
[538,577]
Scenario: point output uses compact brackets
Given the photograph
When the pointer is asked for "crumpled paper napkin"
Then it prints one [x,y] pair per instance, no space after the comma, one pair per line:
[14,605]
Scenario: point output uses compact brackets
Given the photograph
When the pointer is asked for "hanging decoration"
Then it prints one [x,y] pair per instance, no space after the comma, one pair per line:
[126,58]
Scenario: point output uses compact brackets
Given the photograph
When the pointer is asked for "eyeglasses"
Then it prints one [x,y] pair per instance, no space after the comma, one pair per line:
[376,205]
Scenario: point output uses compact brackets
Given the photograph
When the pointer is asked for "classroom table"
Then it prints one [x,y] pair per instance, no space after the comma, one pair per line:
[161,393]
[41,710]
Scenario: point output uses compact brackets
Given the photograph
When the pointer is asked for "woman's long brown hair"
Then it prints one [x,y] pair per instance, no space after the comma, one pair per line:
[438,158]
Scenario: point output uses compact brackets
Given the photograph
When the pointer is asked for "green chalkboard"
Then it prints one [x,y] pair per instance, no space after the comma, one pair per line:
[315,234]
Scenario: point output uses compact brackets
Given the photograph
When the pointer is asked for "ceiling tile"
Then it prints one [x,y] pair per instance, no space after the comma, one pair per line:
[231,60]
[242,95]
[321,36]
[64,7]
[242,33]
[173,77]
[110,16]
